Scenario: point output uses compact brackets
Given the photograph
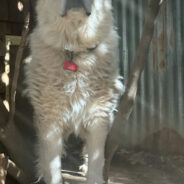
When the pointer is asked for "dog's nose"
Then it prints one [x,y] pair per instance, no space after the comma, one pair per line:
[68,4]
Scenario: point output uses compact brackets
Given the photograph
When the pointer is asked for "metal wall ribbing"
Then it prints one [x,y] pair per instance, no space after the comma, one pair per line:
[160,98]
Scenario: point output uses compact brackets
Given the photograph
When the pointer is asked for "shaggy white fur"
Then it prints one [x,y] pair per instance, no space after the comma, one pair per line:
[82,102]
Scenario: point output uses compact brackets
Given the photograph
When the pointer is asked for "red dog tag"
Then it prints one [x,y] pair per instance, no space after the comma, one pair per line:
[70,66]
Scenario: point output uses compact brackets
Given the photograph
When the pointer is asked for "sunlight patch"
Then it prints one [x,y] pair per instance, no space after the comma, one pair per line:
[55,170]
[96,155]
[52,132]
[103,48]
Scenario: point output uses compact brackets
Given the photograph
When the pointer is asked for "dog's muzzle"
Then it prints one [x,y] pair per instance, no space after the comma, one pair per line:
[69,4]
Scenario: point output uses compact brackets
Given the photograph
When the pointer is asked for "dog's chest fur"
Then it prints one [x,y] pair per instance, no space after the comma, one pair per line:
[78,98]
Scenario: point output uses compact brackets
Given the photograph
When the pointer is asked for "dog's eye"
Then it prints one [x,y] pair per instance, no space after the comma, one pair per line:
[92,48]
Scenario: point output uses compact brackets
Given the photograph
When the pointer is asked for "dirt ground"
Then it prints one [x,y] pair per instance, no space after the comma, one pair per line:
[130,167]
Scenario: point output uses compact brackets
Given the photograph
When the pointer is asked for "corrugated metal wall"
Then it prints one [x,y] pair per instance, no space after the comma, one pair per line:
[160,99]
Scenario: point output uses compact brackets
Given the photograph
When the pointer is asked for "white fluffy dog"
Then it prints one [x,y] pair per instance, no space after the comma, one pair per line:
[81,100]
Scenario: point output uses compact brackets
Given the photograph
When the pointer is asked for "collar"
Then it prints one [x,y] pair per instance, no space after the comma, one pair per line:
[69,55]
[69,65]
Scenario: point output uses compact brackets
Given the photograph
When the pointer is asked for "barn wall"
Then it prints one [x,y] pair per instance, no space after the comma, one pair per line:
[11,19]
[11,22]
[160,100]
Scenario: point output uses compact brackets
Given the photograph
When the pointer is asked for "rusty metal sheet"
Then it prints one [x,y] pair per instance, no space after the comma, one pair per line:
[160,99]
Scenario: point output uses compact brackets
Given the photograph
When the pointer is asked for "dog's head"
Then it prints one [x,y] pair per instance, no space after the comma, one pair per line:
[74,24]
[71,4]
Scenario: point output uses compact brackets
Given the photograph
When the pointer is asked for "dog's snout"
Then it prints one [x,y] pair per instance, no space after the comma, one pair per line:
[69,4]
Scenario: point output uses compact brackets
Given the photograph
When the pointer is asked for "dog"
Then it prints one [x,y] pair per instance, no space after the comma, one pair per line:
[73,81]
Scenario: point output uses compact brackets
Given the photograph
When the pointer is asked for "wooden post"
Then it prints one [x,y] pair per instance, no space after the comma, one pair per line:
[3,168]
[126,104]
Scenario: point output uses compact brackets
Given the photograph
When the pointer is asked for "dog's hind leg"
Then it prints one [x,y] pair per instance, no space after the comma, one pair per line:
[95,146]
[49,151]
